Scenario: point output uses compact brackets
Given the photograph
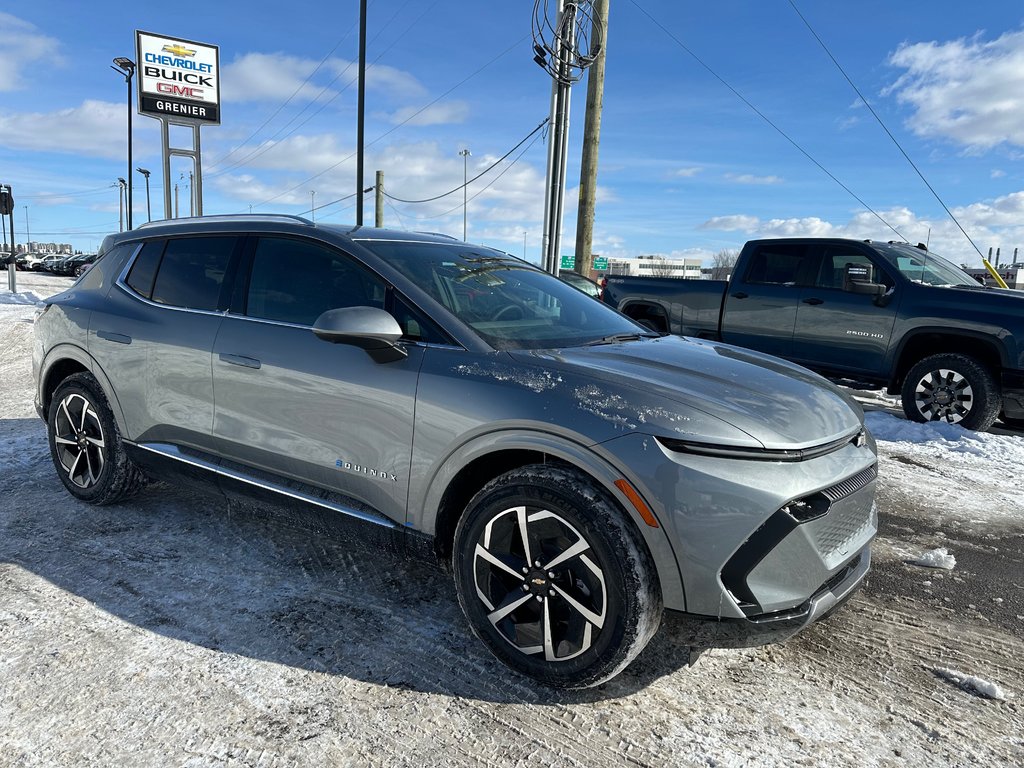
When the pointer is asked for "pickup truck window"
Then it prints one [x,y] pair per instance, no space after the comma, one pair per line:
[927,268]
[781,264]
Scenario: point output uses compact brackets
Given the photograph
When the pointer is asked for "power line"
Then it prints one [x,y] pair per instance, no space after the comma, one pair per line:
[764,117]
[399,125]
[482,173]
[884,126]
[270,143]
[480,192]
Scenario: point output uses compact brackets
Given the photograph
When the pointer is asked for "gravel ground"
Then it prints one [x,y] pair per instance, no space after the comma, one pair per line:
[183,629]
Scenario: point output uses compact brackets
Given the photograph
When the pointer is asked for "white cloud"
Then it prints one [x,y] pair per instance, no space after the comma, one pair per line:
[277,76]
[269,77]
[997,174]
[442,113]
[748,178]
[970,91]
[95,129]
[688,173]
[21,45]
[733,223]
[992,223]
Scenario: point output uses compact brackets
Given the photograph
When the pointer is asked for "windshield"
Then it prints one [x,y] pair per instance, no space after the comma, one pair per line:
[925,267]
[511,304]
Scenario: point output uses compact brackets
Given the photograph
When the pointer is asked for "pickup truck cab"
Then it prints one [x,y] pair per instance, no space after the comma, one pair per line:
[889,313]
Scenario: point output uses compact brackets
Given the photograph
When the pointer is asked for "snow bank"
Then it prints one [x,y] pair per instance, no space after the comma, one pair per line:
[25,297]
[1007,449]
[970,683]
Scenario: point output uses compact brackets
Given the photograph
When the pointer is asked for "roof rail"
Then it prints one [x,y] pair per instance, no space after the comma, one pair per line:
[229,217]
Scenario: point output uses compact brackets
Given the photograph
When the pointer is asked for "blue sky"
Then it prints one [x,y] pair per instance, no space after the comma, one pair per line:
[686,168]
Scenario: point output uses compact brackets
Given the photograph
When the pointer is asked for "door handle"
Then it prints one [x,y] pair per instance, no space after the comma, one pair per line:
[242,360]
[120,338]
[813,301]
[740,295]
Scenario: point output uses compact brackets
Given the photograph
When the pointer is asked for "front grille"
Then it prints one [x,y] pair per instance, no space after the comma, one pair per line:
[851,485]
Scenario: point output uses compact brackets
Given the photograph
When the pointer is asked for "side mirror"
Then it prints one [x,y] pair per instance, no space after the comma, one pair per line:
[368,328]
[857,279]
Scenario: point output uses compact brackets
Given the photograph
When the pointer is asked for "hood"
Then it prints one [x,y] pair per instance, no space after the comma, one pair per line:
[778,404]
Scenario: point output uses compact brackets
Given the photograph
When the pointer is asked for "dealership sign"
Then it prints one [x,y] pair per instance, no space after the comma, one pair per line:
[178,79]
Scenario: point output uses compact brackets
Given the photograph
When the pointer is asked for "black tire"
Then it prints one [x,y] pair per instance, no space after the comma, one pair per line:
[86,446]
[954,388]
[587,622]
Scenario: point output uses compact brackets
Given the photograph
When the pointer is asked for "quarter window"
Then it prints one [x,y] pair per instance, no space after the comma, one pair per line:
[140,278]
[192,271]
[294,281]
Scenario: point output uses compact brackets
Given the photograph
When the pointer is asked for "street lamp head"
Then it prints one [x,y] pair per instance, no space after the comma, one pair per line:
[126,65]
[143,171]
[121,181]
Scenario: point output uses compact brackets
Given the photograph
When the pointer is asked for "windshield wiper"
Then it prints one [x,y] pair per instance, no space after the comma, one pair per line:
[615,338]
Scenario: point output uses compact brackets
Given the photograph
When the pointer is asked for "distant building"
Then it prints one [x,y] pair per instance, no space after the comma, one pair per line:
[1012,275]
[657,266]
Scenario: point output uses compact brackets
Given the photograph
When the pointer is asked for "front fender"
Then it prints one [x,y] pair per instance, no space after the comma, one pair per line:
[587,459]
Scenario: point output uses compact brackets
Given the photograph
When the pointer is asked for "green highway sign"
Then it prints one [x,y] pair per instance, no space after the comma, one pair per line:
[601,263]
[568,262]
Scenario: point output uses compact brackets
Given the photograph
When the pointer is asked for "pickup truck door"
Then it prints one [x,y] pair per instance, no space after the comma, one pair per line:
[760,307]
[841,330]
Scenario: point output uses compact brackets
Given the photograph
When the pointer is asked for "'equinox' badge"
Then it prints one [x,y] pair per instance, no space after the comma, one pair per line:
[378,473]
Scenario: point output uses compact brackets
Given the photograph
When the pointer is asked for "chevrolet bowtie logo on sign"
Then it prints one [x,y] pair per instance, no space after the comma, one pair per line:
[178,79]
[178,50]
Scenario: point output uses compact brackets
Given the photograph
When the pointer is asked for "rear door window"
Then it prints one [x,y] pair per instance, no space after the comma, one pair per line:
[191,273]
[782,264]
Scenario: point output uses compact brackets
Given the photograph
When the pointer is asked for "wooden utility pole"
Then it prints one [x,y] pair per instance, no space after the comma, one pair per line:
[378,206]
[591,141]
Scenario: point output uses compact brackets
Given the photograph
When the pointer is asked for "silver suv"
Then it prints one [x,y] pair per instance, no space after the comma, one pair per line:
[579,473]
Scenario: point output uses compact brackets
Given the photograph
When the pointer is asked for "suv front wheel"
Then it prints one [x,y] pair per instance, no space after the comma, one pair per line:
[86,446]
[553,577]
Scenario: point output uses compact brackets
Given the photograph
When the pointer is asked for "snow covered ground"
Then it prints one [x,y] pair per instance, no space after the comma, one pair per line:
[182,629]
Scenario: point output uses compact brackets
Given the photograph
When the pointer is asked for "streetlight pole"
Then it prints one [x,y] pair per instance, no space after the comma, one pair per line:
[126,67]
[149,212]
[120,203]
[312,204]
[465,175]
[28,233]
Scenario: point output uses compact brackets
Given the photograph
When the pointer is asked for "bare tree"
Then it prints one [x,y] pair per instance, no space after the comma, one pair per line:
[723,263]
[660,267]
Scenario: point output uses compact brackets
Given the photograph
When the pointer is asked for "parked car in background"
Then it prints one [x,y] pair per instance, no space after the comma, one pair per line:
[577,473]
[74,265]
[581,283]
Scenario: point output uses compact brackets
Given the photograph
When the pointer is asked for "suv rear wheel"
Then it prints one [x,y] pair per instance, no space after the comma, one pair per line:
[553,577]
[86,446]
[954,388]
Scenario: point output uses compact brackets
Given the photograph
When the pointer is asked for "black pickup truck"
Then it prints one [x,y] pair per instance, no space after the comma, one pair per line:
[889,313]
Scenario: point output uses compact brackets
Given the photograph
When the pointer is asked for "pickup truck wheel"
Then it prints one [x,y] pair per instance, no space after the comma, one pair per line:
[954,388]
[554,578]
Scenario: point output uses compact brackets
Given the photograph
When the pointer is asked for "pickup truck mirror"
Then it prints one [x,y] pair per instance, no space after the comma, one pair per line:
[857,279]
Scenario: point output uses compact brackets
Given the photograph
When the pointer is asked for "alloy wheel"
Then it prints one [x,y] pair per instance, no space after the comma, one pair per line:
[79,441]
[944,395]
[538,579]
